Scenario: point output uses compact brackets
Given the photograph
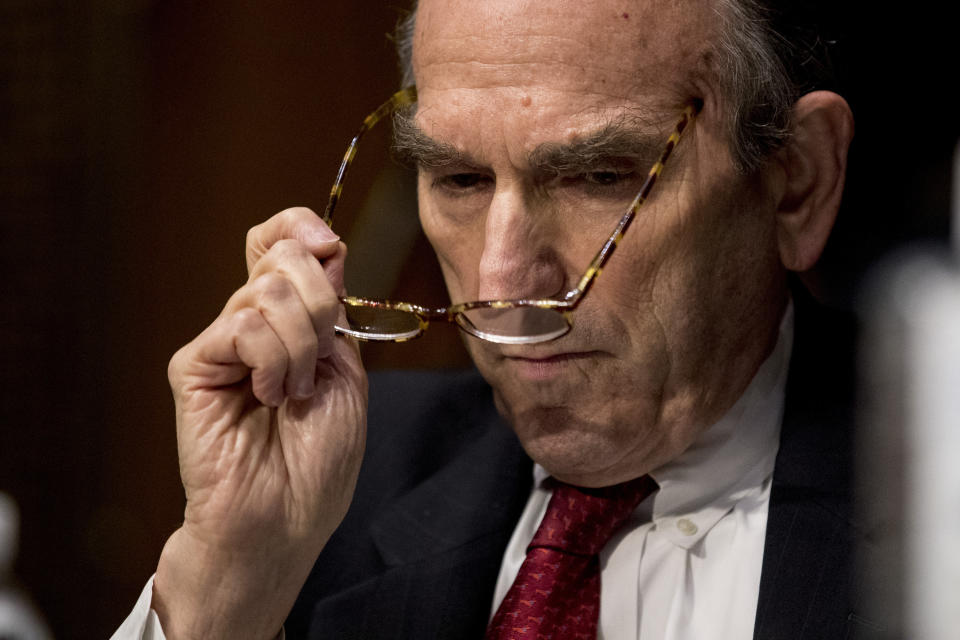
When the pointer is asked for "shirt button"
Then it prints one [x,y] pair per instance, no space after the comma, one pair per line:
[686,527]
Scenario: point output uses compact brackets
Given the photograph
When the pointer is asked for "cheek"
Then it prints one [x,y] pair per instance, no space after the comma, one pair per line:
[458,250]
[714,274]
[690,261]
[639,260]
[714,226]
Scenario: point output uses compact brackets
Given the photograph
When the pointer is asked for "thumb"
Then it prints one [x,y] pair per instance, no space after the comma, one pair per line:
[297,223]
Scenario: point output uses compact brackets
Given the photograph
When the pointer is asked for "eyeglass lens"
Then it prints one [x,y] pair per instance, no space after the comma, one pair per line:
[373,323]
[513,325]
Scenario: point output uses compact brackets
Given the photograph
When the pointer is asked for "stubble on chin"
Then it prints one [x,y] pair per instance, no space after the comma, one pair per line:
[580,444]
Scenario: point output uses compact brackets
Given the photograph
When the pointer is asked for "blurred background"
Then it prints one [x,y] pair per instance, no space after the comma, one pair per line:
[139,140]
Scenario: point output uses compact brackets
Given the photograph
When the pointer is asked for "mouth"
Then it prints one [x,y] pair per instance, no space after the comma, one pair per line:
[545,367]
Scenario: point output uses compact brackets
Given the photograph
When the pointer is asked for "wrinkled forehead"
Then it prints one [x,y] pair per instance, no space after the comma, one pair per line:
[627,48]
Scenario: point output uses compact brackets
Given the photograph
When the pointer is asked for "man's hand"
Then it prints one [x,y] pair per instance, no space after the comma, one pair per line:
[271,418]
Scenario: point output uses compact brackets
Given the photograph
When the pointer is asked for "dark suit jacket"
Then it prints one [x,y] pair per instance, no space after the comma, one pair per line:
[444,482]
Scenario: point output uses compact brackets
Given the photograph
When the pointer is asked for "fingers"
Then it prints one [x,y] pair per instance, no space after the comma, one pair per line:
[290,291]
[292,261]
[295,350]
[297,223]
[279,324]
[246,338]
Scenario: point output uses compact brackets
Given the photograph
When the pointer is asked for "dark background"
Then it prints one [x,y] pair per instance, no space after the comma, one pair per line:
[138,142]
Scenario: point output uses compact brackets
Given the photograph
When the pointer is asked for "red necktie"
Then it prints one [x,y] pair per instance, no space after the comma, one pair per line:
[557,591]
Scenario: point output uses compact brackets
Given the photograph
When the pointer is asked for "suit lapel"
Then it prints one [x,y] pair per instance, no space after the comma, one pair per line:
[474,496]
[806,588]
[439,543]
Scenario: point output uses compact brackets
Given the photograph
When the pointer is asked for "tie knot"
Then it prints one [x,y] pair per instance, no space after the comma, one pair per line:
[581,521]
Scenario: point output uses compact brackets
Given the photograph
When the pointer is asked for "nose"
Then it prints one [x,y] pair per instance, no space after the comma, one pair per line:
[520,259]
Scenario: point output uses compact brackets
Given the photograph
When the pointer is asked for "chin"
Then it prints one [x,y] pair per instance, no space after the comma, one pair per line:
[567,446]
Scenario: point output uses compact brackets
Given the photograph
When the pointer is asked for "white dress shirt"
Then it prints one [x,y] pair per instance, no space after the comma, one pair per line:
[142,623]
[686,566]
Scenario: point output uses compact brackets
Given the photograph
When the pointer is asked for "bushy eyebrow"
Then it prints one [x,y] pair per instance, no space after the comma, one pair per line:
[624,139]
[412,146]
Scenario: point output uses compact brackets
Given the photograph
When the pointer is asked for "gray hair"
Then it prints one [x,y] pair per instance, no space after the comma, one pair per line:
[761,70]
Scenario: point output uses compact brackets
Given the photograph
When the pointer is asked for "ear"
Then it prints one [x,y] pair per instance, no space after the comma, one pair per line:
[814,163]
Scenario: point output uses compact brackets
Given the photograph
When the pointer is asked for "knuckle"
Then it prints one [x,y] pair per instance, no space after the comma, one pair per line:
[304,344]
[254,238]
[323,307]
[288,249]
[247,320]
[253,246]
[271,287]
[253,233]
[282,225]
[175,366]
[294,214]
[284,256]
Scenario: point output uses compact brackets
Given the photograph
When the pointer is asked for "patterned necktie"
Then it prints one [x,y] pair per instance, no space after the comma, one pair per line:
[557,591]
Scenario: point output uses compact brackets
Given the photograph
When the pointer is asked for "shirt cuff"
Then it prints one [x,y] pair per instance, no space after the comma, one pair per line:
[143,623]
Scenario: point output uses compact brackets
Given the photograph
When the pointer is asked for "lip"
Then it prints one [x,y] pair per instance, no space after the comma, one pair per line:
[545,367]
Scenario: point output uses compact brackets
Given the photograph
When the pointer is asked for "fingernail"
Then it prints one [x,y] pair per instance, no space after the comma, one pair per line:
[305,389]
[322,233]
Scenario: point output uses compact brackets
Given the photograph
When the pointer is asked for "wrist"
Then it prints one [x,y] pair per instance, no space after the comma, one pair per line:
[203,590]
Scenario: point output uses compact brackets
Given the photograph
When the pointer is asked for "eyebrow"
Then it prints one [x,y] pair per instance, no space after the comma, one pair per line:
[623,139]
[412,146]
[627,138]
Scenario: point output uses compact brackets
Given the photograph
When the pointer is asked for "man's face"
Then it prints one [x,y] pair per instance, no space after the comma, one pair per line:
[556,112]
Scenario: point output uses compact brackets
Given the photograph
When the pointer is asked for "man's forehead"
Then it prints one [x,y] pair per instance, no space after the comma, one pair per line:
[514,75]
[604,41]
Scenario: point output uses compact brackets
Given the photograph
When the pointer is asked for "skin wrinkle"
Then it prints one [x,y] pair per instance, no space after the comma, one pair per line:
[533,40]
[536,67]
[704,76]
[715,335]
[657,317]
[472,43]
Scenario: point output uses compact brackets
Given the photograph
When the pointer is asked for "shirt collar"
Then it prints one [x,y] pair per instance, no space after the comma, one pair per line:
[732,459]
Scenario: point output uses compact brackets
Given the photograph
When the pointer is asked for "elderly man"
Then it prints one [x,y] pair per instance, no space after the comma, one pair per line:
[714,490]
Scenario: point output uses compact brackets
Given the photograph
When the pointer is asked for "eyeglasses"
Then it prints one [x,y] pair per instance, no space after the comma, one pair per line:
[518,321]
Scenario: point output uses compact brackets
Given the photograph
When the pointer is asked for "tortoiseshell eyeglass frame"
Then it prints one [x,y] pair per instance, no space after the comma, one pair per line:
[563,306]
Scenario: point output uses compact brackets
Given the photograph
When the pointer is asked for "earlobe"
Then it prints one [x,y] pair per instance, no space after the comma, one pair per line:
[814,162]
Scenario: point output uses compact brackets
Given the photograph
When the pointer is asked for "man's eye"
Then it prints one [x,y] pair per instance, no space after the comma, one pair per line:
[462,181]
[607,178]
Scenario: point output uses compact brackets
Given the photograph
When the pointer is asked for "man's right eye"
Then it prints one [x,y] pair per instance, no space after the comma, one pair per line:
[463,182]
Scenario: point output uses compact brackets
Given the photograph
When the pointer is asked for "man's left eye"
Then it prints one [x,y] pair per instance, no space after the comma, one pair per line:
[606,182]
[606,178]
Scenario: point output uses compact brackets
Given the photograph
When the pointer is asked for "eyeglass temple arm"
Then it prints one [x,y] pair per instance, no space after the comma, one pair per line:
[596,265]
[402,98]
